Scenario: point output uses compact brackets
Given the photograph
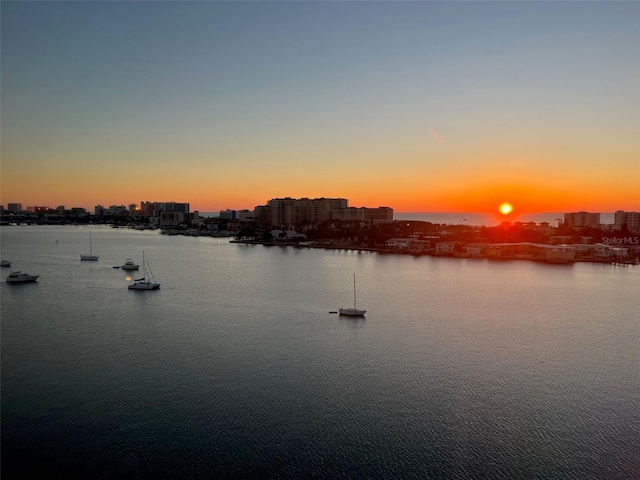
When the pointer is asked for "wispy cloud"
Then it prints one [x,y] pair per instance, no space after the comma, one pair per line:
[435,135]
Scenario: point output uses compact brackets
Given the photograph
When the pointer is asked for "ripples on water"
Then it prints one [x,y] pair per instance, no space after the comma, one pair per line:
[235,368]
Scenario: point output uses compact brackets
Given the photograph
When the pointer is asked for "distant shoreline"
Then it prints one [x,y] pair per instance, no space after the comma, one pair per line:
[388,251]
[474,219]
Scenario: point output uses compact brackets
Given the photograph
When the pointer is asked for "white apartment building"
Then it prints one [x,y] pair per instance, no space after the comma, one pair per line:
[445,248]
[399,243]
[580,220]
[632,219]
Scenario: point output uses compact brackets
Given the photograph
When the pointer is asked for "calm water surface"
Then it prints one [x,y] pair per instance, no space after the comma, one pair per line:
[236,369]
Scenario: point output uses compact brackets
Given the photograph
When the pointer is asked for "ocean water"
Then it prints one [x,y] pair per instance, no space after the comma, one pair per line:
[489,219]
[235,368]
[475,218]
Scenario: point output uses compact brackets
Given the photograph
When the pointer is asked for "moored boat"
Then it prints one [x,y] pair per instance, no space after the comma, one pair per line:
[353,312]
[129,265]
[90,255]
[147,282]
[19,277]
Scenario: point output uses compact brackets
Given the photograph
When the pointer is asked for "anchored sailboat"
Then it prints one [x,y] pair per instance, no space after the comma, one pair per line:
[353,312]
[89,256]
[147,282]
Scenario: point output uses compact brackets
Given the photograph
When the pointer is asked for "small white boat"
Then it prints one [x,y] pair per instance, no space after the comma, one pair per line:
[353,312]
[19,277]
[129,265]
[90,255]
[147,282]
[5,263]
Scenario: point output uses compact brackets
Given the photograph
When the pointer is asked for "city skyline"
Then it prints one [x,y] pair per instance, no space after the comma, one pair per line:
[419,106]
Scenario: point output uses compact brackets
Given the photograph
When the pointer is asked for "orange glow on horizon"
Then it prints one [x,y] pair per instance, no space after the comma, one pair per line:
[400,190]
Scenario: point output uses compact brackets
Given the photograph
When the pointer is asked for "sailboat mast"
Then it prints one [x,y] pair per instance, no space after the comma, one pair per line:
[354,291]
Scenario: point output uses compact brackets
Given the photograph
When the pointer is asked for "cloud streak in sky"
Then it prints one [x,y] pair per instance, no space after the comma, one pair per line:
[435,135]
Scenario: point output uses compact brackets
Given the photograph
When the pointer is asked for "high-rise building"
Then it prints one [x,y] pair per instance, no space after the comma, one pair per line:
[364,214]
[290,211]
[631,219]
[580,220]
[228,214]
[156,209]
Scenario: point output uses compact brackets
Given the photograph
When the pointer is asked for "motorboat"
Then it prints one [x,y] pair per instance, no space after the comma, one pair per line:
[147,282]
[353,312]
[5,263]
[19,277]
[129,265]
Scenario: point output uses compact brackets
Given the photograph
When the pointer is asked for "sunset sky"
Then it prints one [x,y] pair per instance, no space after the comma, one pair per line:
[419,106]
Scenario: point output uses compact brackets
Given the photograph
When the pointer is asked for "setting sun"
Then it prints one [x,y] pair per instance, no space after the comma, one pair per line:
[506,208]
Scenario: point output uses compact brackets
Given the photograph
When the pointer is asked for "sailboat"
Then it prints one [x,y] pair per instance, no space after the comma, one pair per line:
[353,312]
[147,282]
[90,255]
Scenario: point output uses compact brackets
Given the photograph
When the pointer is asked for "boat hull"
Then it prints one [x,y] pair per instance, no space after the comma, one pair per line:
[144,286]
[352,312]
[88,257]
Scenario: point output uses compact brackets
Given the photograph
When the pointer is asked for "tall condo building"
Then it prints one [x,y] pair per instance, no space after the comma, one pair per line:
[631,219]
[292,211]
[289,211]
[364,214]
[582,220]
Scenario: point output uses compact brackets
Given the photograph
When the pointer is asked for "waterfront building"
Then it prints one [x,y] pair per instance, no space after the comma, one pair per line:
[364,214]
[446,248]
[579,220]
[399,243]
[474,249]
[146,209]
[631,219]
[117,210]
[609,252]
[262,214]
[172,219]
[291,211]
[159,207]
[245,215]
[165,214]
[532,251]
[14,207]
[278,234]
[312,211]
[228,214]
